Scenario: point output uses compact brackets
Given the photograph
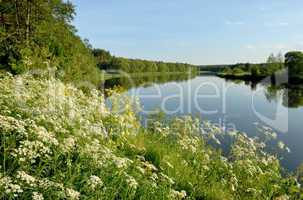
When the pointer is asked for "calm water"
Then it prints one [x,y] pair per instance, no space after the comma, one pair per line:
[231,104]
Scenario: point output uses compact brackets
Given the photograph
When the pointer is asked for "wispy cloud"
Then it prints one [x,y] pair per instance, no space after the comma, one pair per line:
[229,22]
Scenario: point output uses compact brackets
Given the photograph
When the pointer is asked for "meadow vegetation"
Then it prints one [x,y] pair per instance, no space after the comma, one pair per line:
[59,143]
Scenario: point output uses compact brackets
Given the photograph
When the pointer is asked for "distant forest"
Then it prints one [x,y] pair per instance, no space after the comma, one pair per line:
[105,61]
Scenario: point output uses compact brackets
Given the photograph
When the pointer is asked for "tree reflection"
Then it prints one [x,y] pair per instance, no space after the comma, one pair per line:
[291,93]
[144,81]
[293,96]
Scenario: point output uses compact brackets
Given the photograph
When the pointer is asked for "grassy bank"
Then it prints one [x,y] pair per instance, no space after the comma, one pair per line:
[58,143]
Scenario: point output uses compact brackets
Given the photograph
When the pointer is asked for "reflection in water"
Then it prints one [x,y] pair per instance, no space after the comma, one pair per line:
[144,81]
[248,81]
[232,103]
[294,97]
[292,92]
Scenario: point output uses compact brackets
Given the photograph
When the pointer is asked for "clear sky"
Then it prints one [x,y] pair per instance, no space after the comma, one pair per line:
[193,31]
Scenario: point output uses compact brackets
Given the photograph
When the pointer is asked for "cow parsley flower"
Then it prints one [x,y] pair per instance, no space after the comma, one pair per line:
[37,196]
[46,136]
[9,187]
[131,181]
[72,194]
[94,182]
[121,162]
[68,144]
[176,194]
[28,179]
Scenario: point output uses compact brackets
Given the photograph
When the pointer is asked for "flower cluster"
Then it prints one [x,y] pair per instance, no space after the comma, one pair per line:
[94,182]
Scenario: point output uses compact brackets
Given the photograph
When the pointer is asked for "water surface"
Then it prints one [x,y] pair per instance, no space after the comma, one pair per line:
[229,104]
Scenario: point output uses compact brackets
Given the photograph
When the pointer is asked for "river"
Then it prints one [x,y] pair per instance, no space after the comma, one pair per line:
[231,104]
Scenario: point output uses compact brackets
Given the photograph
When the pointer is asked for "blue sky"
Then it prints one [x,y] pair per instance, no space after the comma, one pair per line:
[193,31]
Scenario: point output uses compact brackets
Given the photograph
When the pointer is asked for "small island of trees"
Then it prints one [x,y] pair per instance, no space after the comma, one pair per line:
[293,61]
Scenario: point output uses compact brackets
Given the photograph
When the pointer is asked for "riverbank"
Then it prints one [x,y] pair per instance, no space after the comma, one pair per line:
[78,148]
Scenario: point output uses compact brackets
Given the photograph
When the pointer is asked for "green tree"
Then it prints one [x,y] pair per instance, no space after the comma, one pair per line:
[255,71]
[294,62]
[103,58]
[238,71]
[35,32]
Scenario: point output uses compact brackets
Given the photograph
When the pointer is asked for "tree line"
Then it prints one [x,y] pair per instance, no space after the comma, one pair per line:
[105,61]
[273,64]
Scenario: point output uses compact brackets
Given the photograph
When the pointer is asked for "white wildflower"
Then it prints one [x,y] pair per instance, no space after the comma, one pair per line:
[31,150]
[46,136]
[28,179]
[10,187]
[95,181]
[9,125]
[37,196]
[176,194]
[121,162]
[68,144]
[154,177]
[45,183]
[132,183]
[72,194]
[140,169]
[283,197]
